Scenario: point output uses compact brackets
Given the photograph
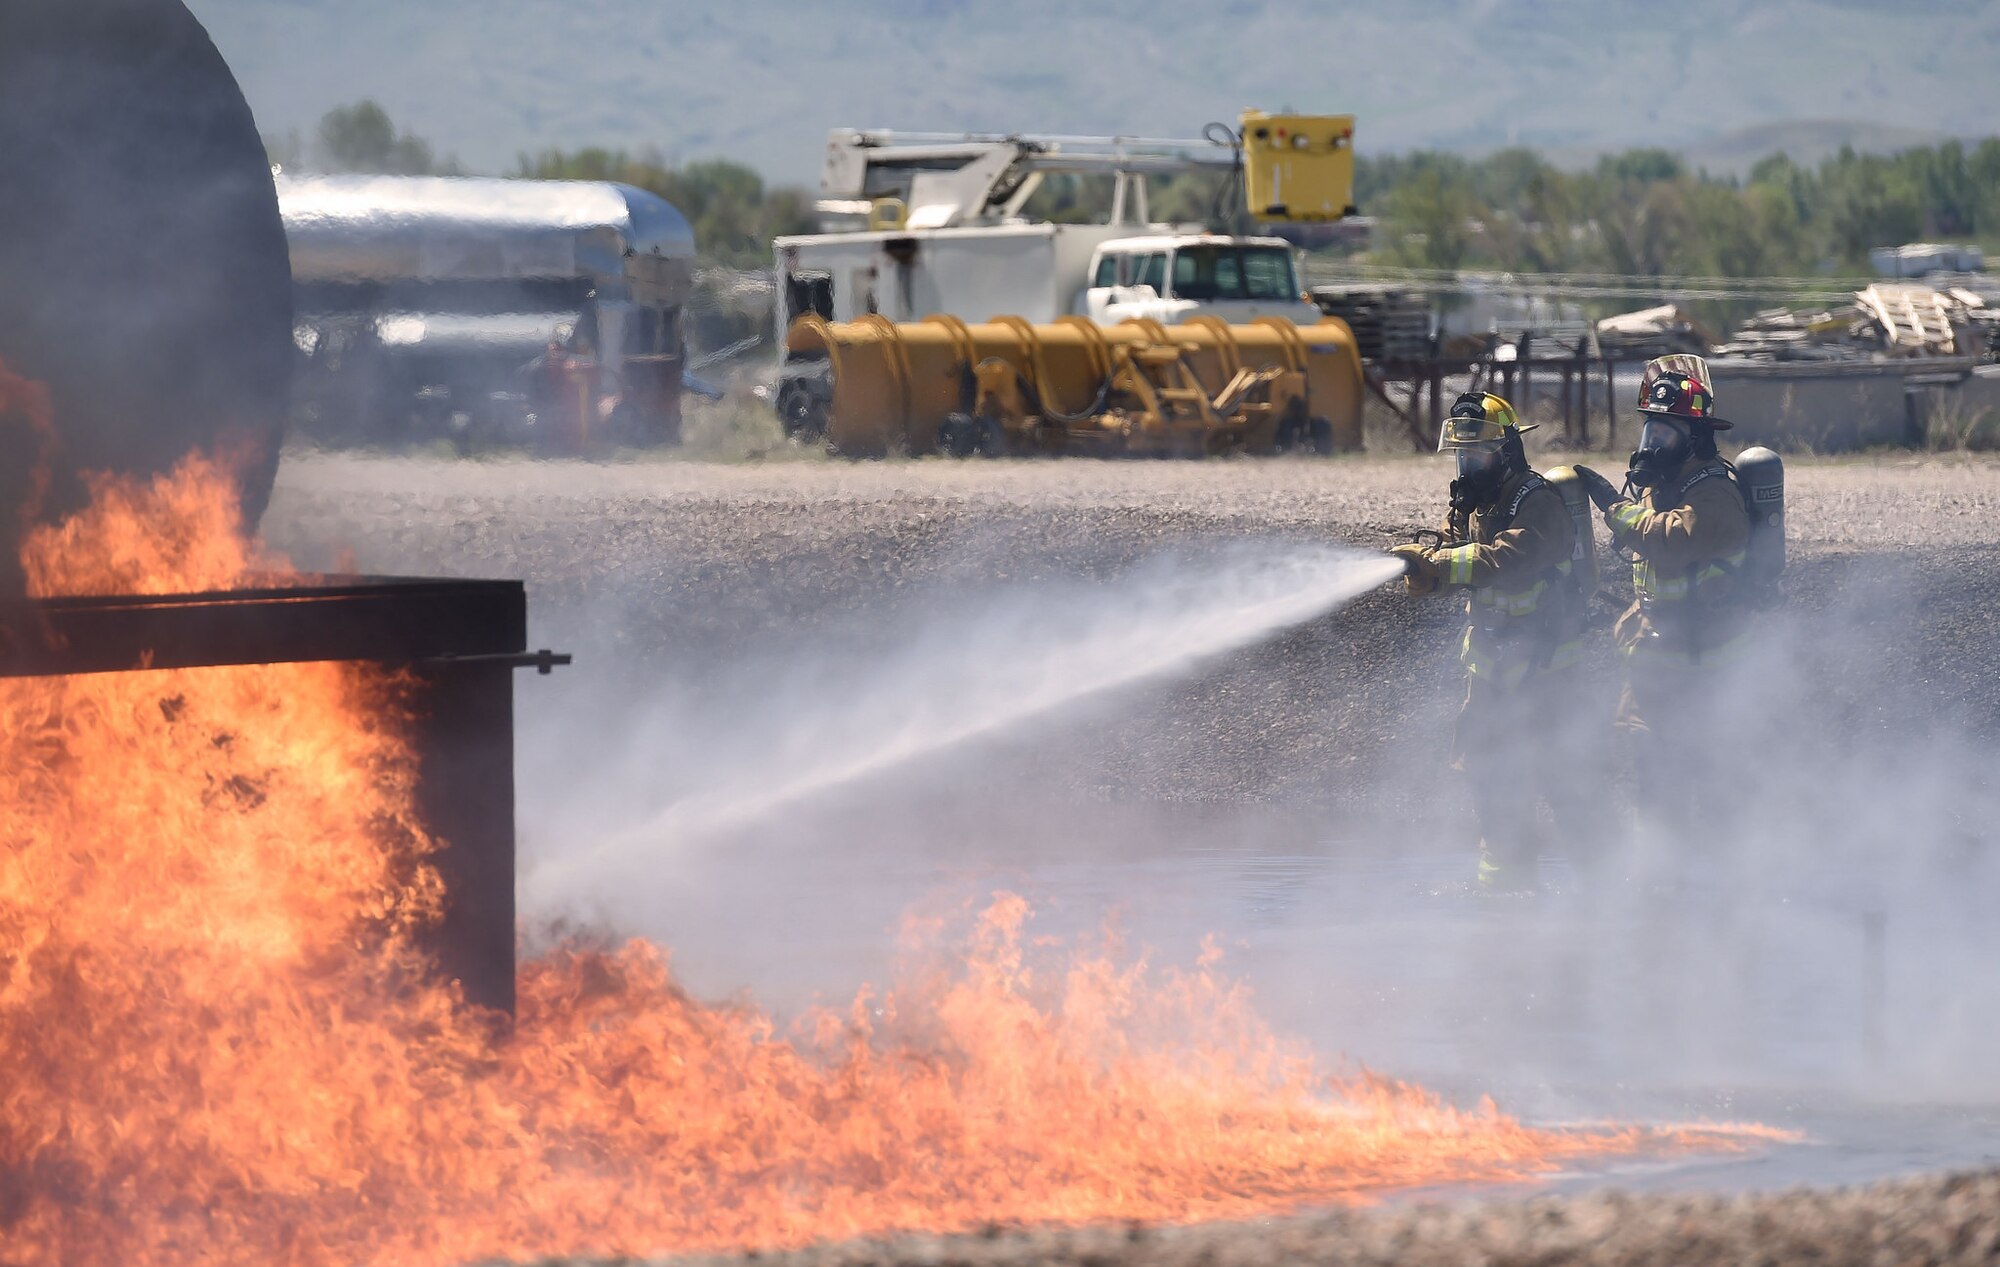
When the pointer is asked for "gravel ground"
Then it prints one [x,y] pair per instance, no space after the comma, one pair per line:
[673,567]
[675,571]
[671,576]
[1948,1220]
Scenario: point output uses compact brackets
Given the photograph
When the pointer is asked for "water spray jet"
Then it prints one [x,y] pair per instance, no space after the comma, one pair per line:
[1024,655]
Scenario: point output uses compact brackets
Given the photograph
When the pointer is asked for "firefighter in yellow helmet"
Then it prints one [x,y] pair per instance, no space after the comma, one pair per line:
[1507,548]
[1682,519]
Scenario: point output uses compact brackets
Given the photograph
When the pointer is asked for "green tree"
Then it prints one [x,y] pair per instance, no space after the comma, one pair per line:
[1643,227]
[1545,221]
[1642,167]
[1428,221]
[1200,197]
[1512,176]
[1944,183]
[1779,229]
[1797,186]
[733,215]
[361,138]
[1869,202]
[1642,212]
[1983,165]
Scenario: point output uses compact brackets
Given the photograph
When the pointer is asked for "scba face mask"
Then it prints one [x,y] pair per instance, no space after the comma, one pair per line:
[1664,445]
[1472,461]
[1481,471]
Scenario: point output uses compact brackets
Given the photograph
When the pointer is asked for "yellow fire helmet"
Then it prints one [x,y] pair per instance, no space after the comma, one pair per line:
[1480,418]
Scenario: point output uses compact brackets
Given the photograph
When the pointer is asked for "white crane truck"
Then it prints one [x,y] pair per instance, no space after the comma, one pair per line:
[930,222]
[922,223]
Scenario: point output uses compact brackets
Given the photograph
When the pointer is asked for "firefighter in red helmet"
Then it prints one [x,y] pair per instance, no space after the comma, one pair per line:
[1682,519]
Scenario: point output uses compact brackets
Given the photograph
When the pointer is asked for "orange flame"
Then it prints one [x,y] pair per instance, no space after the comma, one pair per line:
[219,1044]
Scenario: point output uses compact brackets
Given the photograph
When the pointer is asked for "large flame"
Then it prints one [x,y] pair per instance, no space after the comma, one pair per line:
[218,1043]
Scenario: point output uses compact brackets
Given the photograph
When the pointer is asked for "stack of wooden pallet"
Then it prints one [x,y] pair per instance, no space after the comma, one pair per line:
[1391,326]
[1887,319]
[1821,334]
[1911,319]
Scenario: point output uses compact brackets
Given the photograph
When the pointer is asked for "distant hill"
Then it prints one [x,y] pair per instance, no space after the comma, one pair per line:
[1806,141]
[1736,151]
[762,80]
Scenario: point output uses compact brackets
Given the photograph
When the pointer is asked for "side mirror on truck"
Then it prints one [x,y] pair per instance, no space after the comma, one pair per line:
[1098,299]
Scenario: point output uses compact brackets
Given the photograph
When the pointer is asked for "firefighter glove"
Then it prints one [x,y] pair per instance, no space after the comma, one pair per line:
[1420,571]
[1602,494]
[1623,516]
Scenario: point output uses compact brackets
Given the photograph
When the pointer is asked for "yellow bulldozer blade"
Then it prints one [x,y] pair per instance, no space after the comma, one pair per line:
[1007,385]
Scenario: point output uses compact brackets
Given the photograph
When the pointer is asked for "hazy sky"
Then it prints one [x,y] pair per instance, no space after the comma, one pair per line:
[762,80]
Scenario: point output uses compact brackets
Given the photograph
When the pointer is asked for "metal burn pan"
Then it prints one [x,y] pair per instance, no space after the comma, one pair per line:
[460,641]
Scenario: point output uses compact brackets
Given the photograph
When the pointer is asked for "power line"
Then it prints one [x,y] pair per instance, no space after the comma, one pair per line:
[1448,274]
[1588,285]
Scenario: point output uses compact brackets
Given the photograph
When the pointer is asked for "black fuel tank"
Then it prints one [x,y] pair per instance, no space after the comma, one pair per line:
[143,270]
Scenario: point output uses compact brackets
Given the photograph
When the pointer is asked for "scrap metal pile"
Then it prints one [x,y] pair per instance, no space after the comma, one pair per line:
[1659,331]
[1390,324]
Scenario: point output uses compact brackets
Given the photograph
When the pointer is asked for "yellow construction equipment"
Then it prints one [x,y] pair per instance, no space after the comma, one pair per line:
[1298,166]
[1139,387]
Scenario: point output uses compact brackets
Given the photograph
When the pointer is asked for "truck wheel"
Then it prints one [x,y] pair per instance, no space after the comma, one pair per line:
[1291,430]
[1319,432]
[963,436]
[957,435]
[989,438]
[801,411]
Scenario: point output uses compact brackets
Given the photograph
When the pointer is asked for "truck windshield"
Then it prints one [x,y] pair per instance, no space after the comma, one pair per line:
[1151,270]
[1234,272]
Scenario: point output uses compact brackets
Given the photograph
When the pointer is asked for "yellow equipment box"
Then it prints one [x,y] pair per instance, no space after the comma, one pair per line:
[1298,166]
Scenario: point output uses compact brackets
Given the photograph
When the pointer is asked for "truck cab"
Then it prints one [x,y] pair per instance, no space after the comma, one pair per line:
[1170,278]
